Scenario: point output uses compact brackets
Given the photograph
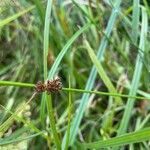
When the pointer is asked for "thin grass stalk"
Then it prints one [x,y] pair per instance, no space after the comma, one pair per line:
[69,118]
[29,85]
[48,97]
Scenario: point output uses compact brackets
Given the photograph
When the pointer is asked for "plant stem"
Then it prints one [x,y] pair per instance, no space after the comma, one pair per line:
[52,120]
[30,85]
[12,83]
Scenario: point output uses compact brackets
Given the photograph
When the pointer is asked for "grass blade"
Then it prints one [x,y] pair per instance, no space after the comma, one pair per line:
[12,83]
[9,19]
[46,37]
[58,60]
[47,98]
[101,71]
[3,142]
[65,49]
[133,137]
[52,120]
[136,76]
[135,21]
[92,77]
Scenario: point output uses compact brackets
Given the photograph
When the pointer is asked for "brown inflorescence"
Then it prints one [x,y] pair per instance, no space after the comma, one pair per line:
[54,85]
[40,87]
[50,86]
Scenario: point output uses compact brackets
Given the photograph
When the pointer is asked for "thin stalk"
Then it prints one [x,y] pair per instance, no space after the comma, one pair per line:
[20,84]
[29,85]
[48,97]
[52,120]
[105,93]
[69,118]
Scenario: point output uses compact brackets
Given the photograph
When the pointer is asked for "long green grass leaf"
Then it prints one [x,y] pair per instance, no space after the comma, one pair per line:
[65,49]
[92,77]
[133,137]
[101,71]
[52,121]
[136,76]
[46,36]
[46,96]
[58,60]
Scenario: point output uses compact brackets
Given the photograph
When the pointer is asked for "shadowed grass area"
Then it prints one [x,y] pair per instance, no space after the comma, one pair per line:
[75,40]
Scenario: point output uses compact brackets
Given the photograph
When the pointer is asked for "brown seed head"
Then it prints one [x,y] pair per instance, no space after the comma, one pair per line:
[51,86]
[54,85]
[40,87]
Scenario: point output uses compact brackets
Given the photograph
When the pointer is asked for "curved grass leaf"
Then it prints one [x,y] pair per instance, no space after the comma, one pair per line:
[65,49]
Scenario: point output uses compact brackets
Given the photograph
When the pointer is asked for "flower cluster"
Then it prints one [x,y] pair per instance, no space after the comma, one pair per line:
[50,86]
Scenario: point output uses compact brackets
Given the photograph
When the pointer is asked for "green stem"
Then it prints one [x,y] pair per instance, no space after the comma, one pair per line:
[52,120]
[45,53]
[69,119]
[20,84]
[105,93]
[29,85]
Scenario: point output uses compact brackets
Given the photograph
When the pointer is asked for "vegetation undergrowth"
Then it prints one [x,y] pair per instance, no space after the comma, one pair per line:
[92,61]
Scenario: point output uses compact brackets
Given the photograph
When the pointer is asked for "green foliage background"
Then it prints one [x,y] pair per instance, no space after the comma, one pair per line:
[100,49]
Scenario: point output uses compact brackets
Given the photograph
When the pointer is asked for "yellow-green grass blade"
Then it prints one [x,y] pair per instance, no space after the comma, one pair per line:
[15,16]
[101,71]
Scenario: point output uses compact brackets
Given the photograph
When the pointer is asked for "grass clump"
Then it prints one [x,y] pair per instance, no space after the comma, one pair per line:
[74,40]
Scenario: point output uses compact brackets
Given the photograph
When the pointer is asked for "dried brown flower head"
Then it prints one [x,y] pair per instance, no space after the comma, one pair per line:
[50,86]
[54,85]
[40,87]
